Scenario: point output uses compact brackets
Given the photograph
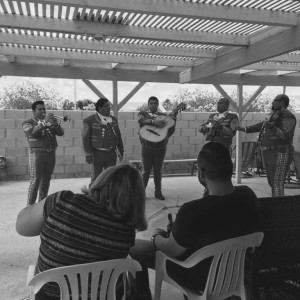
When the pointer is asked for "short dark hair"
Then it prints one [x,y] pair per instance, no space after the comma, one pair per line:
[34,104]
[152,98]
[100,103]
[214,159]
[226,99]
[284,98]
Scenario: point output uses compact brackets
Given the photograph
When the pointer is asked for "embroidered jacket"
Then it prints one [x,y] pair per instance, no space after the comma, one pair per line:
[281,134]
[39,137]
[144,116]
[225,132]
[96,134]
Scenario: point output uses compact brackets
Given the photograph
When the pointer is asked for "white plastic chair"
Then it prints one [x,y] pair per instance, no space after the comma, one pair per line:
[103,274]
[226,274]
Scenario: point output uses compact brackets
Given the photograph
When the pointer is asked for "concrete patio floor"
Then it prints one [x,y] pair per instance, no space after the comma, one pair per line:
[17,252]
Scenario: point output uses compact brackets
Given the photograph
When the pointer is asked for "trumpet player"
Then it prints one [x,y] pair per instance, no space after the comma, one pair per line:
[41,131]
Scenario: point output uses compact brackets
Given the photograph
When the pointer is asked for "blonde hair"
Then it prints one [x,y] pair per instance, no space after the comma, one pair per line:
[121,191]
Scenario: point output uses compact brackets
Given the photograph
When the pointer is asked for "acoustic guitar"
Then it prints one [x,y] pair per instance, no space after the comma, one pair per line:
[157,134]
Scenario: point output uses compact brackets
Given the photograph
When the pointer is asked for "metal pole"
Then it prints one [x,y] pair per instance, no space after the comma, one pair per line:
[238,154]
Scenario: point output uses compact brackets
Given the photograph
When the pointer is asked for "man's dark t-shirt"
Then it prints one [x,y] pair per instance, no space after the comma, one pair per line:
[209,220]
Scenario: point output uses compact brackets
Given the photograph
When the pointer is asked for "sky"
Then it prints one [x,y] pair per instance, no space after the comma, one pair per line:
[76,89]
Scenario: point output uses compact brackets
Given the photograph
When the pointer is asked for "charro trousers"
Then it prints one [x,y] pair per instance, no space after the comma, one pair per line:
[102,160]
[277,163]
[41,166]
[153,158]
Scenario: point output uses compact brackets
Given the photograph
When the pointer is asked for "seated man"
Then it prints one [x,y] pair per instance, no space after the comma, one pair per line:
[227,212]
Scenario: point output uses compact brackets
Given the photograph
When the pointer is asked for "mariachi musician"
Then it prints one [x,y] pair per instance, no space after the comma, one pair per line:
[221,126]
[276,138]
[41,131]
[153,153]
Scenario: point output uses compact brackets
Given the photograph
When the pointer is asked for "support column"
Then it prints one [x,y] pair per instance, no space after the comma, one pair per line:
[238,153]
[115,97]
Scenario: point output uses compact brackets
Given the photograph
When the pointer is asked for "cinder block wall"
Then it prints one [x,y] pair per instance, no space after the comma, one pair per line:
[70,160]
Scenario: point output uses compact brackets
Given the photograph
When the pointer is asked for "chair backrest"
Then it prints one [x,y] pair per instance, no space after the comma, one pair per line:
[87,281]
[226,274]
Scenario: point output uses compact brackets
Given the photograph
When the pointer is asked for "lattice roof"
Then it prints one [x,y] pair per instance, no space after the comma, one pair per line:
[198,41]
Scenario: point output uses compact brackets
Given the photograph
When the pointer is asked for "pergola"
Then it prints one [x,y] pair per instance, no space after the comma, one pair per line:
[236,42]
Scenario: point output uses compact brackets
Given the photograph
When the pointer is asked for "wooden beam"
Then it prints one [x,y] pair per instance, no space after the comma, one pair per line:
[93,88]
[25,39]
[184,9]
[129,96]
[121,31]
[284,42]
[225,95]
[95,57]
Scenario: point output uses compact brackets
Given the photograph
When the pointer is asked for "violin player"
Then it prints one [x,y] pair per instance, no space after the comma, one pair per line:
[221,126]
[276,135]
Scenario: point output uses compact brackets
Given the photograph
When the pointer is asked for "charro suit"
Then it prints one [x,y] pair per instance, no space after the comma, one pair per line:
[42,143]
[101,140]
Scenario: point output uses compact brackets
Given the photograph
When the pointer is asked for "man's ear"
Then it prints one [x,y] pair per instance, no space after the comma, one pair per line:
[201,174]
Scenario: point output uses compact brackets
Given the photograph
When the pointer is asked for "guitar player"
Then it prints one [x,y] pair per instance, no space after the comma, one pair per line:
[221,126]
[153,153]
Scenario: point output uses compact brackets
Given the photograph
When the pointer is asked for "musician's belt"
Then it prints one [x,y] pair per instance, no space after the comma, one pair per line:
[268,148]
[105,149]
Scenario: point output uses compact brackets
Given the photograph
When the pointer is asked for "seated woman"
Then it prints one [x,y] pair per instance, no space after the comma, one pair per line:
[82,228]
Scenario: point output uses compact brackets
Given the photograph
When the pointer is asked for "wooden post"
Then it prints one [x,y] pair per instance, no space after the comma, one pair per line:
[115,97]
[238,153]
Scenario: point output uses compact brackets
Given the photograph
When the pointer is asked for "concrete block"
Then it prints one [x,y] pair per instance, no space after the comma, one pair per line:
[180,140]
[248,117]
[73,169]
[194,124]
[60,151]
[7,143]
[8,123]
[72,133]
[128,148]
[132,124]
[188,132]
[2,133]
[77,124]
[16,152]
[22,142]
[10,161]
[186,116]
[135,115]
[132,140]
[181,155]
[195,140]
[15,133]
[203,116]
[127,132]
[28,114]
[59,169]
[22,161]
[64,160]
[174,148]
[77,141]
[172,166]
[62,175]
[137,149]
[14,114]
[121,124]
[87,113]
[188,148]
[17,170]
[73,150]
[126,115]
[182,124]
[65,142]
[2,151]
[79,159]
[2,114]
[177,132]
[19,123]
[74,114]
[136,131]
[87,169]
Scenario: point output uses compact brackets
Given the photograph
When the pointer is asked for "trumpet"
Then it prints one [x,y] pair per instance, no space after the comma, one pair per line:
[65,118]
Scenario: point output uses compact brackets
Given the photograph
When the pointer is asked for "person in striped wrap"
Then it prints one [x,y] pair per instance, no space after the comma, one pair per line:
[97,225]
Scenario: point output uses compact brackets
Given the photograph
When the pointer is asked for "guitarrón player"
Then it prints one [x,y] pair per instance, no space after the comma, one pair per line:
[221,126]
[153,153]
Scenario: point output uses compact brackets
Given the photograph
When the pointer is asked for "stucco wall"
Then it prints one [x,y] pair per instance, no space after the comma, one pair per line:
[70,160]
